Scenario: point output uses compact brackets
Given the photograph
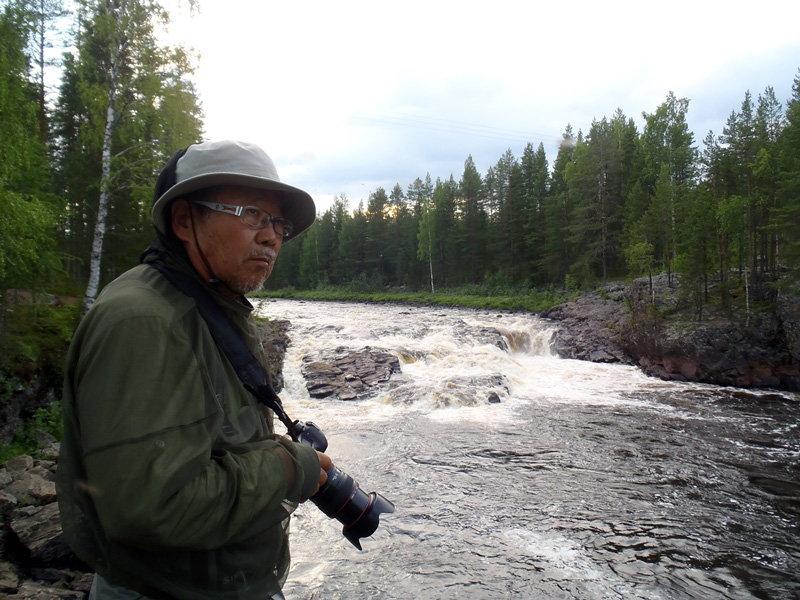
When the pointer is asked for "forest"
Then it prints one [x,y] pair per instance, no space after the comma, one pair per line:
[617,203]
[78,161]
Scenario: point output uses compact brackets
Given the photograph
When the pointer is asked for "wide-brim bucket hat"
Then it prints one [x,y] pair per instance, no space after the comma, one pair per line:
[229,162]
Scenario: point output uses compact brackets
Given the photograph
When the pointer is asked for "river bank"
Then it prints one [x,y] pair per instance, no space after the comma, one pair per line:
[618,323]
[653,329]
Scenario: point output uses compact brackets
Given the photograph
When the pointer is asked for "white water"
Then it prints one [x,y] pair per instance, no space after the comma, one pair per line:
[583,481]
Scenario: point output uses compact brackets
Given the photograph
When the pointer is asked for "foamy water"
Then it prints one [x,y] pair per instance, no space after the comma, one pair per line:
[519,474]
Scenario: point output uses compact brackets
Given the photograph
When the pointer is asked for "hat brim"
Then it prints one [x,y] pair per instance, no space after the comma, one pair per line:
[300,208]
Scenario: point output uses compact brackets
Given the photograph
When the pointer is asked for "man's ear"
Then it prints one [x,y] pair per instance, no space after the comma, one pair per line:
[180,212]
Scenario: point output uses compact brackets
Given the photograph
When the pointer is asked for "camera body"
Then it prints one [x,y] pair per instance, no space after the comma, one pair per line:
[341,498]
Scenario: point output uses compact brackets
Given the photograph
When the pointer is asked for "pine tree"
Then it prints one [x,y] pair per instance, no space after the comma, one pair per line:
[535,180]
[558,208]
[351,255]
[667,156]
[472,229]
[419,196]
[787,212]
[377,263]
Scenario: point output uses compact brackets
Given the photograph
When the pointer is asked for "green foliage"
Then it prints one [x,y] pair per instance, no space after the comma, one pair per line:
[34,342]
[27,220]
[28,258]
[47,419]
[570,283]
[126,104]
[640,258]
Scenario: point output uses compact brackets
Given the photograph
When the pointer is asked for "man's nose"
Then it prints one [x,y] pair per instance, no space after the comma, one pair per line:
[268,236]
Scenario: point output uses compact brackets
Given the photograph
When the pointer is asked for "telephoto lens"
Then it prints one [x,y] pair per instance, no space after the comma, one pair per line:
[341,499]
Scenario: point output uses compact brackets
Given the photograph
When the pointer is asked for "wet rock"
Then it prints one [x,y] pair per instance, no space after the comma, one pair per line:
[590,327]
[643,325]
[274,340]
[471,390]
[344,374]
[484,335]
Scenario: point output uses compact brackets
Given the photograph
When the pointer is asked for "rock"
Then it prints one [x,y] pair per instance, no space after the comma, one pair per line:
[9,577]
[5,477]
[23,403]
[7,501]
[33,487]
[34,590]
[32,536]
[471,390]
[640,325]
[788,314]
[19,463]
[590,327]
[274,339]
[348,374]
[38,532]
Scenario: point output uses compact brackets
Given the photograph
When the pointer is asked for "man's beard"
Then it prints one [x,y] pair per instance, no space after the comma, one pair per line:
[244,286]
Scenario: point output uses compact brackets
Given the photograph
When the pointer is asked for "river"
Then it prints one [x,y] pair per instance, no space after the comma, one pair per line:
[517,474]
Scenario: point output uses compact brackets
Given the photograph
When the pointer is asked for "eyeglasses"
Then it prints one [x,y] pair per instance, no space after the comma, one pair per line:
[253,216]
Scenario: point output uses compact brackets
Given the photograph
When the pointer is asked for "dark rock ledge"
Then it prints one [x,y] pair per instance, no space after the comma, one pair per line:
[630,324]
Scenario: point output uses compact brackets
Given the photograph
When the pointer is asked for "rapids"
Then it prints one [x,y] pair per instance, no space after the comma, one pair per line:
[517,474]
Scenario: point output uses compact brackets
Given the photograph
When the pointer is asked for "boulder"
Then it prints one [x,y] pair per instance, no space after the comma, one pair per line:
[43,566]
[344,374]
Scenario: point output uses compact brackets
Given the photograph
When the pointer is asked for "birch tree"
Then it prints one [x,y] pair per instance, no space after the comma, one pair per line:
[126,104]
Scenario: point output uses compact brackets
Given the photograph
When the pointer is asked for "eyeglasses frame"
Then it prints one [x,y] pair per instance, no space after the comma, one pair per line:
[238,211]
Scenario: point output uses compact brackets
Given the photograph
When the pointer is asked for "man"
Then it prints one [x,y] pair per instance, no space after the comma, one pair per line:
[171,481]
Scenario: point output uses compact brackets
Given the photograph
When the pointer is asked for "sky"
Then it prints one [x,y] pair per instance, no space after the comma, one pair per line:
[350,96]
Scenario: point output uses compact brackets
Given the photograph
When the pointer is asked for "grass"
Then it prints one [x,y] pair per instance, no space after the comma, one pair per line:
[471,296]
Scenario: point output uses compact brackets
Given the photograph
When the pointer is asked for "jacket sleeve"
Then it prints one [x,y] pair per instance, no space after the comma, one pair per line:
[149,409]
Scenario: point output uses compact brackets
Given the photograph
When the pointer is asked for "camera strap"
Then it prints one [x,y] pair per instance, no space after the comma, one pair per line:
[250,371]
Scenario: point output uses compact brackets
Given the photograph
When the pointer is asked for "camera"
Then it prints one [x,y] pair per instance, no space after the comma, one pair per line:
[341,498]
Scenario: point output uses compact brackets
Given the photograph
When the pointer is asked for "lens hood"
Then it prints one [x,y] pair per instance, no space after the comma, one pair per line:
[341,499]
[368,523]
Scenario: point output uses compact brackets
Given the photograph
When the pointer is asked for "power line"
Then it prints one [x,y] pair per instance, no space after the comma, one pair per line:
[457,127]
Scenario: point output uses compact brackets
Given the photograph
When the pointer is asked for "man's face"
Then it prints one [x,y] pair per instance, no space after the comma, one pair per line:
[239,255]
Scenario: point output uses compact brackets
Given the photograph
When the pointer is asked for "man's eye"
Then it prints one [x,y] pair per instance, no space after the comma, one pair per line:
[252,212]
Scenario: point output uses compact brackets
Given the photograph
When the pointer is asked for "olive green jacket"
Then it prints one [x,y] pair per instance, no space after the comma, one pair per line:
[171,481]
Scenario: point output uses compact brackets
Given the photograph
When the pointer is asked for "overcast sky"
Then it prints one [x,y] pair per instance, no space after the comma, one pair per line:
[349,96]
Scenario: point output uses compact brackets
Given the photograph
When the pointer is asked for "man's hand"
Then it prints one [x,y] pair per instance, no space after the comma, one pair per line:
[325,463]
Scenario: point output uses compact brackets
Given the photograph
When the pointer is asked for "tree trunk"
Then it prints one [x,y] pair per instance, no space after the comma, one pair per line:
[105,187]
[430,258]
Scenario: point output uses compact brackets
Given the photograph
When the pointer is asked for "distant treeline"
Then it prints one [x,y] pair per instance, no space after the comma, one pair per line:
[78,165]
[617,203]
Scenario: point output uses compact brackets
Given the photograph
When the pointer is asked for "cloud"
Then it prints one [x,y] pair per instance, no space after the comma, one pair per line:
[351,96]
